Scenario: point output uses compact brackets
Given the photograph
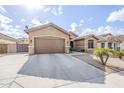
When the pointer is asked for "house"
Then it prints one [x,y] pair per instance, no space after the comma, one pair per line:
[110,41]
[72,37]
[48,38]
[7,44]
[85,43]
[22,44]
[121,39]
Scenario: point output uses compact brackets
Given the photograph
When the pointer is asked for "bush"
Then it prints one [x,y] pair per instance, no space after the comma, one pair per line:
[119,54]
[102,54]
[82,50]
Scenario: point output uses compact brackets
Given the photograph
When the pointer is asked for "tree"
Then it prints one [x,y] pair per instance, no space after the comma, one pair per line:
[102,54]
[26,28]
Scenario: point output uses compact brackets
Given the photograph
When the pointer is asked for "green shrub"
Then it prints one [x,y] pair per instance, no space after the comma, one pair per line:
[119,54]
[102,54]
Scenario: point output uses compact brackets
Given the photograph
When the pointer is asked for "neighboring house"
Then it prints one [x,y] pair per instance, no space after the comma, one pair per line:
[110,41]
[7,44]
[122,45]
[85,43]
[22,44]
[121,39]
[72,37]
[48,38]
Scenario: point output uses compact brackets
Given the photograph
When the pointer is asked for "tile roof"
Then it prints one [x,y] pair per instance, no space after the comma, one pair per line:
[110,38]
[86,36]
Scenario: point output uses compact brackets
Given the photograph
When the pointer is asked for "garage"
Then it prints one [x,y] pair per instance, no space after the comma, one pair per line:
[48,38]
[49,45]
[3,48]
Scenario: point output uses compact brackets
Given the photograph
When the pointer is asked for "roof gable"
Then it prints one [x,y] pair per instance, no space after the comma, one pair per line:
[45,26]
[6,37]
[72,33]
[87,36]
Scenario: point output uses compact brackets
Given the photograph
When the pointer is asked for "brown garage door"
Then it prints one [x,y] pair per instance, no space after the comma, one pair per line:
[49,45]
[3,48]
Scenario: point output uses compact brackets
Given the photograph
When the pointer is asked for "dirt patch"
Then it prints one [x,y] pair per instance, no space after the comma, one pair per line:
[113,65]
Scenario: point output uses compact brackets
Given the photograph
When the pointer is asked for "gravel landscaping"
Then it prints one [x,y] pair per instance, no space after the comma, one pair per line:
[113,64]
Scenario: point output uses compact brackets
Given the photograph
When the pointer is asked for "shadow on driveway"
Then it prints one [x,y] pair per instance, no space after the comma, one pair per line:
[63,67]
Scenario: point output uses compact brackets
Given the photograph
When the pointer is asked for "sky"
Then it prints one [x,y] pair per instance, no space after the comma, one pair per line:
[82,20]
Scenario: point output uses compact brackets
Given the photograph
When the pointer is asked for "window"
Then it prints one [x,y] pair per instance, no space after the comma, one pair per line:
[90,43]
[102,45]
[110,45]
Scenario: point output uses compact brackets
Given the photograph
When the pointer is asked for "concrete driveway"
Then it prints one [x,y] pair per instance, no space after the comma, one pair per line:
[53,70]
[60,67]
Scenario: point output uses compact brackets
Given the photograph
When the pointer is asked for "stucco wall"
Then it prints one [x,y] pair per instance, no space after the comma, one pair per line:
[48,31]
[117,45]
[79,44]
[72,36]
[11,48]
[86,44]
[122,45]
[83,44]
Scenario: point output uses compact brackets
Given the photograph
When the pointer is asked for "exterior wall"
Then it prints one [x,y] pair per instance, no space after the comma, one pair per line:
[79,44]
[122,45]
[99,44]
[72,36]
[86,44]
[11,48]
[117,45]
[11,45]
[48,31]
[83,44]
[23,41]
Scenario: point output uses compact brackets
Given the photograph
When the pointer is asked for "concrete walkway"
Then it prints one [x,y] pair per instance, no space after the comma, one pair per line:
[114,80]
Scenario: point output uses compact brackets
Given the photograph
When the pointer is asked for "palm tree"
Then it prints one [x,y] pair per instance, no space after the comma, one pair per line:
[102,54]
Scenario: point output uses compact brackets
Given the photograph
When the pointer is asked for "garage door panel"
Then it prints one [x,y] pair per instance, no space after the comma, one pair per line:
[53,45]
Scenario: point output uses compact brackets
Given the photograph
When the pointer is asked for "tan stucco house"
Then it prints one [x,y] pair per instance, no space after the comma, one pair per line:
[72,37]
[85,43]
[48,38]
[110,41]
[7,44]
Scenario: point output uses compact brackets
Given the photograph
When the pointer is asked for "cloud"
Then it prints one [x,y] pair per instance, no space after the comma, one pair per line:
[54,11]
[116,16]
[60,10]
[22,20]
[2,9]
[81,22]
[8,29]
[37,21]
[102,30]
[47,9]
[17,26]
[73,26]
[4,19]
[76,27]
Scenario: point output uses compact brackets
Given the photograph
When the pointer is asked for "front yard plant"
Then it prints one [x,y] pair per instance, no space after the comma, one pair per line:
[102,54]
